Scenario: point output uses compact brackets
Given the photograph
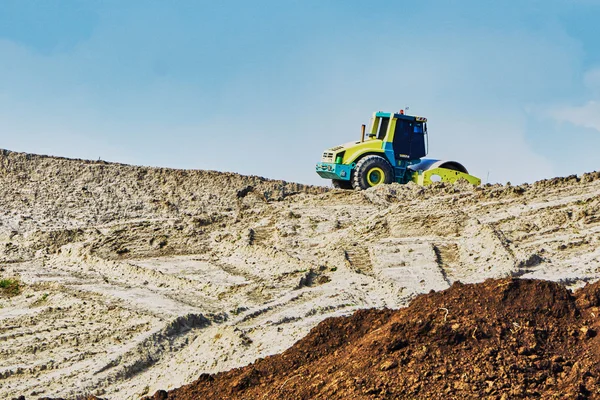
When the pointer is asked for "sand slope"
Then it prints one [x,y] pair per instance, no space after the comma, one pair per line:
[138,279]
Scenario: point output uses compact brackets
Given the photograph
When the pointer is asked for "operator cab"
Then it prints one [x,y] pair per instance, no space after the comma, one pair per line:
[409,136]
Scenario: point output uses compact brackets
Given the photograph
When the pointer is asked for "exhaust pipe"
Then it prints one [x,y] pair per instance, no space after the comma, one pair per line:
[362,130]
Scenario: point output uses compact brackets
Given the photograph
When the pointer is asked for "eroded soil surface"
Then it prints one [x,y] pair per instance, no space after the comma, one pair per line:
[134,279]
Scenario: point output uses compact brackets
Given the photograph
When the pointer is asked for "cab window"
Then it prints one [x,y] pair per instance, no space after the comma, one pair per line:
[383,126]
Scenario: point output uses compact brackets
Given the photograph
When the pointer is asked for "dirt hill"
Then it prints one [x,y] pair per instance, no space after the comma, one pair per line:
[502,339]
[122,280]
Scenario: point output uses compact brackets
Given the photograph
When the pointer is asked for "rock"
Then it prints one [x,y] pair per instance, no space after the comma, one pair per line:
[388,364]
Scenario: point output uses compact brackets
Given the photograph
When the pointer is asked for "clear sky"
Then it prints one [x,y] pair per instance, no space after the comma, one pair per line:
[511,88]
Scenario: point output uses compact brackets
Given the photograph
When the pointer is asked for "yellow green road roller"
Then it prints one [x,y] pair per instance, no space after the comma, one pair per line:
[392,150]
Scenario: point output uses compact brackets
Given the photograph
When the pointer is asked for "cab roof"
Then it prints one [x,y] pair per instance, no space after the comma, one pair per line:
[381,114]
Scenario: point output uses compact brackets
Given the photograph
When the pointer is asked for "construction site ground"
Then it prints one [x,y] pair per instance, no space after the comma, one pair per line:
[133,280]
[501,339]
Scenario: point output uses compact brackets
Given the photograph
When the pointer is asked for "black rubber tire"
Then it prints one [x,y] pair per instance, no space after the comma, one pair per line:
[339,184]
[369,167]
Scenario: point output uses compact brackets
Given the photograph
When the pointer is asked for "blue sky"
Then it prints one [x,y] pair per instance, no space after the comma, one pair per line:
[511,88]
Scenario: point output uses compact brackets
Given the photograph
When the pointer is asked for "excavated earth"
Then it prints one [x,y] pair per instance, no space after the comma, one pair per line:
[133,280]
[501,339]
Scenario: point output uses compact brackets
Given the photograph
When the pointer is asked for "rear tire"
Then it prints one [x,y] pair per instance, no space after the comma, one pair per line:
[339,184]
[372,171]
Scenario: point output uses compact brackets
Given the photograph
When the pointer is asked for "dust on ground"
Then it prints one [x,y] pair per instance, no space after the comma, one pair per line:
[135,279]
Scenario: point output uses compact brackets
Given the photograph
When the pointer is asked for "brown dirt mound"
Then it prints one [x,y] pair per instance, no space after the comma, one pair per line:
[502,339]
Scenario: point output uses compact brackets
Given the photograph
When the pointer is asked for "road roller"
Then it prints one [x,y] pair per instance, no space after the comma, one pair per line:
[391,150]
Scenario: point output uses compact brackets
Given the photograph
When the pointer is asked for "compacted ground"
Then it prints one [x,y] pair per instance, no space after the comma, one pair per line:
[119,281]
